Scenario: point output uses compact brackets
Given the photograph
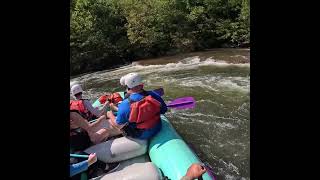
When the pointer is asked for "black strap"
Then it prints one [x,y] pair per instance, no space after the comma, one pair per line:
[130,131]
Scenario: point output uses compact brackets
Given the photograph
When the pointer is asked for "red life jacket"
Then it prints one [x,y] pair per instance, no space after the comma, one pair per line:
[103,99]
[145,113]
[114,98]
[78,105]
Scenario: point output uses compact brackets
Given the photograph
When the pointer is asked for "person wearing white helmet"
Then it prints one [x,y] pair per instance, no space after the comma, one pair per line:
[114,105]
[82,133]
[138,115]
[123,83]
[84,106]
[122,80]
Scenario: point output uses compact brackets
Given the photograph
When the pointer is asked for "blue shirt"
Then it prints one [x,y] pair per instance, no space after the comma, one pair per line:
[124,113]
[78,168]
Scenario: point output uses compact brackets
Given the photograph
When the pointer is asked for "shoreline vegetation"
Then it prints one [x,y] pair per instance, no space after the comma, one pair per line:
[106,34]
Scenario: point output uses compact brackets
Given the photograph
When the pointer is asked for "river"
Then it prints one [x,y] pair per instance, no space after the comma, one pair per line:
[218,128]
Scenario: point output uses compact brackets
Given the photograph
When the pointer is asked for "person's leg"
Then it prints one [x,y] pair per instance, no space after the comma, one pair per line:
[97,131]
[103,124]
[99,123]
[114,132]
[100,136]
[76,120]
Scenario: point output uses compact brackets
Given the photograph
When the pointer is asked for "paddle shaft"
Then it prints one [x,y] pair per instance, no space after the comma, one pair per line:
[79,155]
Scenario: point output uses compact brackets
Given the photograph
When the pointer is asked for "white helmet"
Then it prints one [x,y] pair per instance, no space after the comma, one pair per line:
[122,80]
[133,80]
[75,89]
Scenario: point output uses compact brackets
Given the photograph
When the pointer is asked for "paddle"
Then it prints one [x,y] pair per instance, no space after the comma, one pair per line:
[179,103]
[182,103]
[79,156]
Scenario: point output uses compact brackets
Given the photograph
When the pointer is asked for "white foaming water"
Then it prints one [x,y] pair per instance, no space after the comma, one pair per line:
[230,166]
[208,101]
[225,125]
[194,83]
[230,177]
[229,84]
[191,60]
[241,56]
[213,83]
[152,71]
[211,61]
[192,114]
[188,120]
[184,64]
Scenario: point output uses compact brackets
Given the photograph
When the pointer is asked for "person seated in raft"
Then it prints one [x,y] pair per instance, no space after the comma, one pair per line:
[73,83]
[138,115]
[114,98]
[82,133]
[92,167]
[194,171]
[123,84]
[126,94]
[84,106]
[82,166]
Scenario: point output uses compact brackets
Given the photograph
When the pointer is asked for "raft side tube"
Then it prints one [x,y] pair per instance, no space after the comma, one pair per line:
[119,149]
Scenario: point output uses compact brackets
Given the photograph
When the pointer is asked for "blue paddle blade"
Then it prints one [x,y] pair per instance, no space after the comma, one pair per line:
[182,103]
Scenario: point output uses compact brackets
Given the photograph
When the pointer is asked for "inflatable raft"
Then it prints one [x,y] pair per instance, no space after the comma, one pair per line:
[166,156]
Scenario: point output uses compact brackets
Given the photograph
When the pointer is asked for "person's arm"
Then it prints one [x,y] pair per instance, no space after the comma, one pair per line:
[122,116]
[95,111]
[113,121]
[82,166]
[113,107]
[78,168]
[194,171]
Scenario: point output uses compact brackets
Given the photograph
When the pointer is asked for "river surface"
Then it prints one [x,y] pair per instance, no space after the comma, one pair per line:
[218,128]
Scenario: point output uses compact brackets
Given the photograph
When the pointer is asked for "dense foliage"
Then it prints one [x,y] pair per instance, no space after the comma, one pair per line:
[104,33]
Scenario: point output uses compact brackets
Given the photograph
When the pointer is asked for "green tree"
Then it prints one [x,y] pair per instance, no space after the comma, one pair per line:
[109,32]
